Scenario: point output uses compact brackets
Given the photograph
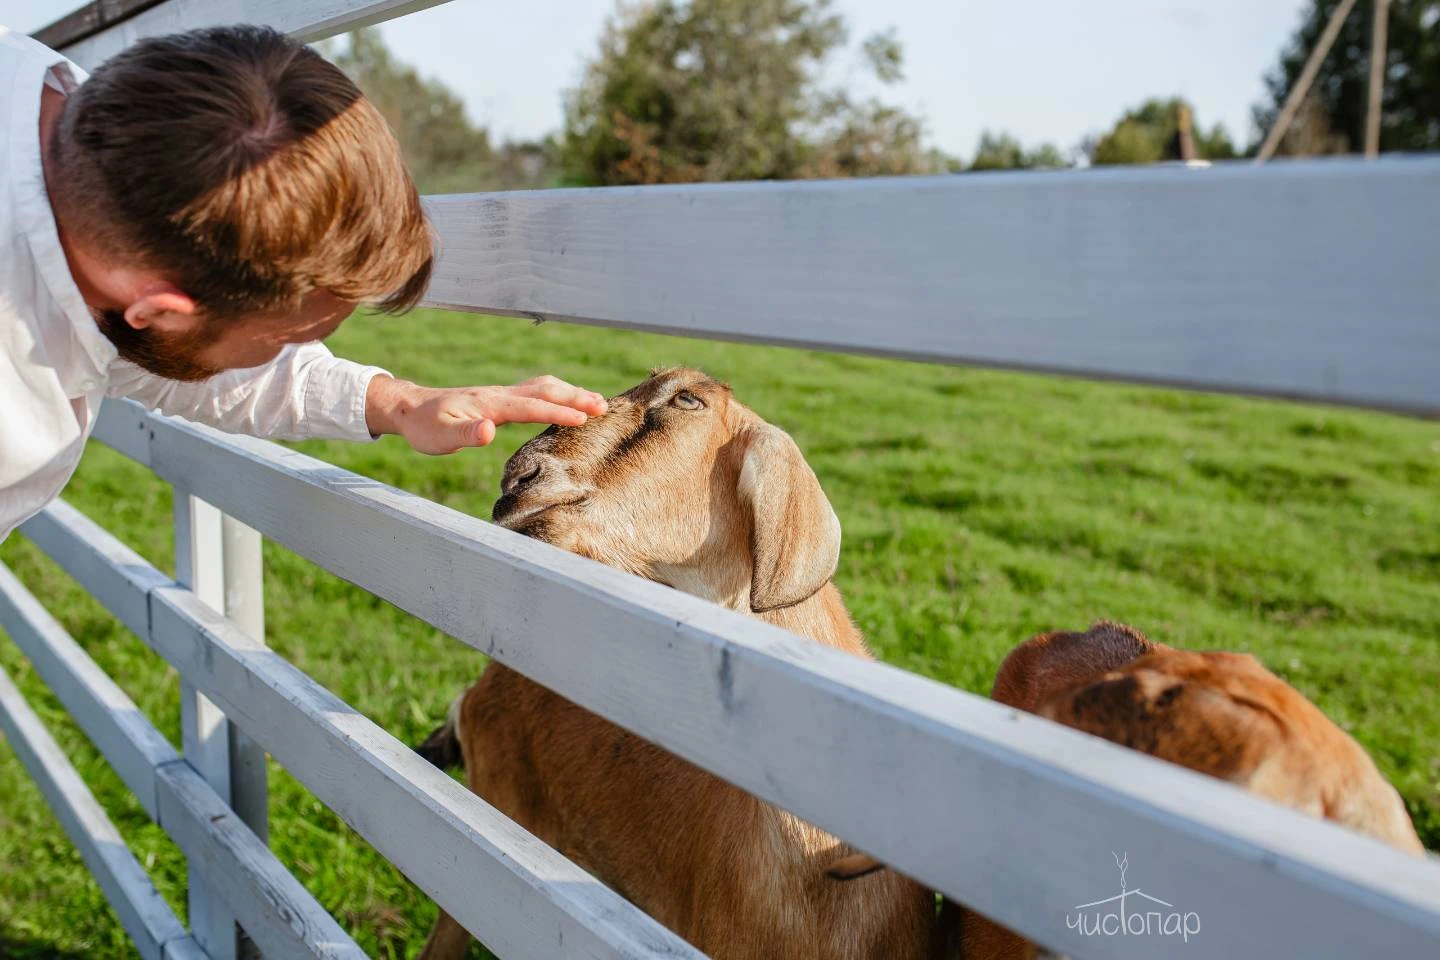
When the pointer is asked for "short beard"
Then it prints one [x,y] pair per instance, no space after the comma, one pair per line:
[173,357]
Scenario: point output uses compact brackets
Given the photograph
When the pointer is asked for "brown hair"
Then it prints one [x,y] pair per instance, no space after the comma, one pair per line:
[245,168]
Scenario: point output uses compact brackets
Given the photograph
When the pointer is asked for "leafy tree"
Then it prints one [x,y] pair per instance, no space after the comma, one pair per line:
[692,90]
[446,153]
[443,149]
[1332,117]
[1150,133]
[1001,151]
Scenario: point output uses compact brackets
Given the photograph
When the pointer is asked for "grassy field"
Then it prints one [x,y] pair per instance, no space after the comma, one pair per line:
[978,508]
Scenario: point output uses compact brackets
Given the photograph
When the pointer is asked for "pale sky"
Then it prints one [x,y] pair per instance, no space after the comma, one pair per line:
[1041,69]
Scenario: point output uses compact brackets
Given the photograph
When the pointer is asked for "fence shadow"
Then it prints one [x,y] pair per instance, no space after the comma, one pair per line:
[24,948]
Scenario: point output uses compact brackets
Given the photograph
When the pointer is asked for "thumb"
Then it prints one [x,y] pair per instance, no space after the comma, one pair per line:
[477,433]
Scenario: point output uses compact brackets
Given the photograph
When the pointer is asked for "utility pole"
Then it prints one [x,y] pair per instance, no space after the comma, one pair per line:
[1184,132]
[1378,55]
[1307,77]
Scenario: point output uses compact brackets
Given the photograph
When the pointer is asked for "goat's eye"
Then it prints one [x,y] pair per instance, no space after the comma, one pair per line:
[686,400]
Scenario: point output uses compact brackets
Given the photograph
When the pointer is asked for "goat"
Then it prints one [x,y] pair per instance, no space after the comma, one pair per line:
[1221,714]
[681,484]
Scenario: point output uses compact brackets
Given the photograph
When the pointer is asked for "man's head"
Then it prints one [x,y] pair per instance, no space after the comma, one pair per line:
[224,192]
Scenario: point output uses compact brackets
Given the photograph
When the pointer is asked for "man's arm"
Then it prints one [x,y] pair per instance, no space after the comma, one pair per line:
[308,393]
[304,393]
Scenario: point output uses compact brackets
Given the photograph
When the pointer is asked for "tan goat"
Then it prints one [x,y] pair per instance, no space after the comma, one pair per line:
[680,484]
[1221,714]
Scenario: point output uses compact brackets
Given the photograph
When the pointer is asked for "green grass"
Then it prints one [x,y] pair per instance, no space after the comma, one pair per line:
[979,508]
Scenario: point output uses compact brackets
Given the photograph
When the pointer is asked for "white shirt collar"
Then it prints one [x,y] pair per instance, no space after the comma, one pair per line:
[86,357]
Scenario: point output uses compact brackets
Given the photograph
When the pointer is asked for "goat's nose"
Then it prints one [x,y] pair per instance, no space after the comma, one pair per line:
[518,475]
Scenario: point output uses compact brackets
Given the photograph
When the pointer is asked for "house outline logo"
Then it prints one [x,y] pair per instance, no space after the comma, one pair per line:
[1120,915]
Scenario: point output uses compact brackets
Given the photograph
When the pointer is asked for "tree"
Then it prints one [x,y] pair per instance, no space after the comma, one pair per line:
[692,90]
[445,152]
[1001,151]
[1335,121]
[1150,133]
[443,149]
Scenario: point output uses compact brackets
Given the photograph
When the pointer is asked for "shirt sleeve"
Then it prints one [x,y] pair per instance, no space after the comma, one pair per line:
[305,393]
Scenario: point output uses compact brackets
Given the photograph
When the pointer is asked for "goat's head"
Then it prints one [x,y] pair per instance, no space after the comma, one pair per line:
[681,484]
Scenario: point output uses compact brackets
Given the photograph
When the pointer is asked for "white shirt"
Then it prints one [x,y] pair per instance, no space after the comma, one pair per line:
[55,364]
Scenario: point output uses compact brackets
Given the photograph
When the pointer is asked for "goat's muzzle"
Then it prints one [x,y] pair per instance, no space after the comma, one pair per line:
[534,482]
[520,472]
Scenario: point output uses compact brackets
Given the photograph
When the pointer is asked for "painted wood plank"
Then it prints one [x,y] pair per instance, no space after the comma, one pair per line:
[133,747]
[243,581]
[505,885]
[142,912]
[184,949]
[127,430]
[204,731]
[1311,280]
[113,573]
[308,21]
[243,873]
[121,580]
[89,19]
[522,899]
[1006,812]
[272,906]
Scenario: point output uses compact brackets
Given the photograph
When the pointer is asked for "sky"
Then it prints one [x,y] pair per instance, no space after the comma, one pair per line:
[1043,70]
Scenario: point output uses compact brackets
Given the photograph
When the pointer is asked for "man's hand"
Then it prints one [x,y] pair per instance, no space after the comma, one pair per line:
[443,420]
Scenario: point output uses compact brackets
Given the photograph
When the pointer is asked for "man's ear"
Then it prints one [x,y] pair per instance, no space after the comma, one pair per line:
[163,308]
[795,535]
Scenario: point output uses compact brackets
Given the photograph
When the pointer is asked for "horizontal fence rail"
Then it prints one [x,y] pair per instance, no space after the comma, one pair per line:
[1019,816]
[151,924]
[275,909]
[307,20]
[1309,280]
[514,893]
[109,718]
[1306,280]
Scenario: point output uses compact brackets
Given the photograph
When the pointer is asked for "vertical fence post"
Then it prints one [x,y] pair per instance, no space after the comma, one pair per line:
[218,558]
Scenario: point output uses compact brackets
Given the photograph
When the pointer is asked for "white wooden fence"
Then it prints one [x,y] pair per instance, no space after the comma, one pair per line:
[1227,278]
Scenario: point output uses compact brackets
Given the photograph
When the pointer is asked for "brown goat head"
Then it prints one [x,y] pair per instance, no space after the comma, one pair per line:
[681,484]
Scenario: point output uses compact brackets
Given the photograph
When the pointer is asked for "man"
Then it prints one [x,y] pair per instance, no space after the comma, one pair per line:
[183,228]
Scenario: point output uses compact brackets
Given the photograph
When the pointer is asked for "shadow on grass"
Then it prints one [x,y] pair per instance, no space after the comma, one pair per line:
[17,948]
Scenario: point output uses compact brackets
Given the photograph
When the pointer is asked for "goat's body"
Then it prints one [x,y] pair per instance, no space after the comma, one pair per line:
[734,876]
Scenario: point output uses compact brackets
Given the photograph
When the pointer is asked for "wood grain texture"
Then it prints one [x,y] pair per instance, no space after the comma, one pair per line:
[514,893]
[273,907]
[184,949]
[204,730]
[112,721]
[142,911]
[1001,810]
[511,890]
[307,20]
[243,580]
[116,575]
[1228,278]
[241,873]
[88,20]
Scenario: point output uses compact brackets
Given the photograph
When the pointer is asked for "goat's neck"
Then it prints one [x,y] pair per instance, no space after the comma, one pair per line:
[822,617]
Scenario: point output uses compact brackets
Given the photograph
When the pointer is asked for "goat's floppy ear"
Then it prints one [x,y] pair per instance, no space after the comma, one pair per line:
[795,535]
[1051,662]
